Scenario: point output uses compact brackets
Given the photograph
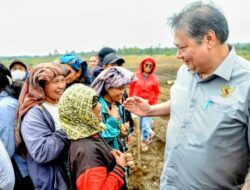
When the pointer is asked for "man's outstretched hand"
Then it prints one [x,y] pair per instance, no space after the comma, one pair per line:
[137,105]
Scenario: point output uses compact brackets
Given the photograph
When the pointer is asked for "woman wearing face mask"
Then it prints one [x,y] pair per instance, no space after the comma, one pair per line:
[19,73]
[19,70]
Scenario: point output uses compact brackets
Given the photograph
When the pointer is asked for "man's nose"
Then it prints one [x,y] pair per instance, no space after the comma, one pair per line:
[178,55]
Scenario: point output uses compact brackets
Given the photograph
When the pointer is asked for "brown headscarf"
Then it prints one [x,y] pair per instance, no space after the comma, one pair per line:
[33,93]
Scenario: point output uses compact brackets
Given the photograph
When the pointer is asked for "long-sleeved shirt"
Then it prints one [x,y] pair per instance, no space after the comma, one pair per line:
[92,165]
[8,108]
[46,149]
[7,176]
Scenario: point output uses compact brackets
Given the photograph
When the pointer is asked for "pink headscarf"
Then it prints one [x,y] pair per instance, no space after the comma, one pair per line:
[33,94]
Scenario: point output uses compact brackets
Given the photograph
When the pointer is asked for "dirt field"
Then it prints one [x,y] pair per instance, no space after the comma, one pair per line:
[146,175]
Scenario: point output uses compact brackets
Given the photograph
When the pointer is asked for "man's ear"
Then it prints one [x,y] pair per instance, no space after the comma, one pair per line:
[210,39]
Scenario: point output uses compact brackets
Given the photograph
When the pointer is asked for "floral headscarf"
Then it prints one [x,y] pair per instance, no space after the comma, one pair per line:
[113,77]
[75,112]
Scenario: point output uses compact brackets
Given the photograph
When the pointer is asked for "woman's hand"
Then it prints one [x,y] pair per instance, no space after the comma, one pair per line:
[124,129]
[119,157]
[129,160]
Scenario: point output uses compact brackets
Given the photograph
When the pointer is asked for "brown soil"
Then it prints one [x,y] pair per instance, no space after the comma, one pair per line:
[147,173]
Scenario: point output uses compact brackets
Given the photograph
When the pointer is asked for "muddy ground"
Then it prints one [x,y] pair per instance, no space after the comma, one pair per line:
[146,175]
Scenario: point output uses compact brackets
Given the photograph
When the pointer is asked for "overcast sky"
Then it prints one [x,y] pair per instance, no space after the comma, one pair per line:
[38,27]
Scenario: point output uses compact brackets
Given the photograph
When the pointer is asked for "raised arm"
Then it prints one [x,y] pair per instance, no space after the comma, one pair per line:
[142,108]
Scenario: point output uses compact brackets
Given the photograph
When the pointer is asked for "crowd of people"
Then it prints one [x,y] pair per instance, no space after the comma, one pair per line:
[64,127]
[67,125]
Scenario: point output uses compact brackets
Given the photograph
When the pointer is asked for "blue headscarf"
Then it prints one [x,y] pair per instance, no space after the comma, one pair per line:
[77,63]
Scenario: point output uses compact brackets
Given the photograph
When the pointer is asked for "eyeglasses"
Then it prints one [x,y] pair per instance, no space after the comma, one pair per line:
[148,65]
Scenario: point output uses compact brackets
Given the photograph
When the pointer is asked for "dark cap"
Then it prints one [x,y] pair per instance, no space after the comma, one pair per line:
[16,61]
[112,58]
[105,51]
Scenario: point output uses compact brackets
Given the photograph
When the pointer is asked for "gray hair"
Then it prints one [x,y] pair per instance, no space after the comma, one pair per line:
[198,18]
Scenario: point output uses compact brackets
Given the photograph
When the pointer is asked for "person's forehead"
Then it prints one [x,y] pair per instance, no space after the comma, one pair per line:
[180,37]
[18,65]
[119,87]
[93,58]
[148,62]
[68,67]
[58,77]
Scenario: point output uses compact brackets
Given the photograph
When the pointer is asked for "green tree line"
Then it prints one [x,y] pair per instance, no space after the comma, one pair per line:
[242,48]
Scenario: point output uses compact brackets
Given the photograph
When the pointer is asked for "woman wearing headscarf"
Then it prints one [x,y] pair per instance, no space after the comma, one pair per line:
[46,143]
[110,85]
[93,163]
[79,71]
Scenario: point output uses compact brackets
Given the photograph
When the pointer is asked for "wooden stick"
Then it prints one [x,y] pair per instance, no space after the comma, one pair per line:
[138,136]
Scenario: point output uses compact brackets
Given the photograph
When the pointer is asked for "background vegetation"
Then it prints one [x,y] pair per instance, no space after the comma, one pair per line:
[242,49]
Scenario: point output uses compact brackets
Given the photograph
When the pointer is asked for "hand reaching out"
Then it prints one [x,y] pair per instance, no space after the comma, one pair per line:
[137,105]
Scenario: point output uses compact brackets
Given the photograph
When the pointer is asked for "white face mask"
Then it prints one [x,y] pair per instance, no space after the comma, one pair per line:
[18,75]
